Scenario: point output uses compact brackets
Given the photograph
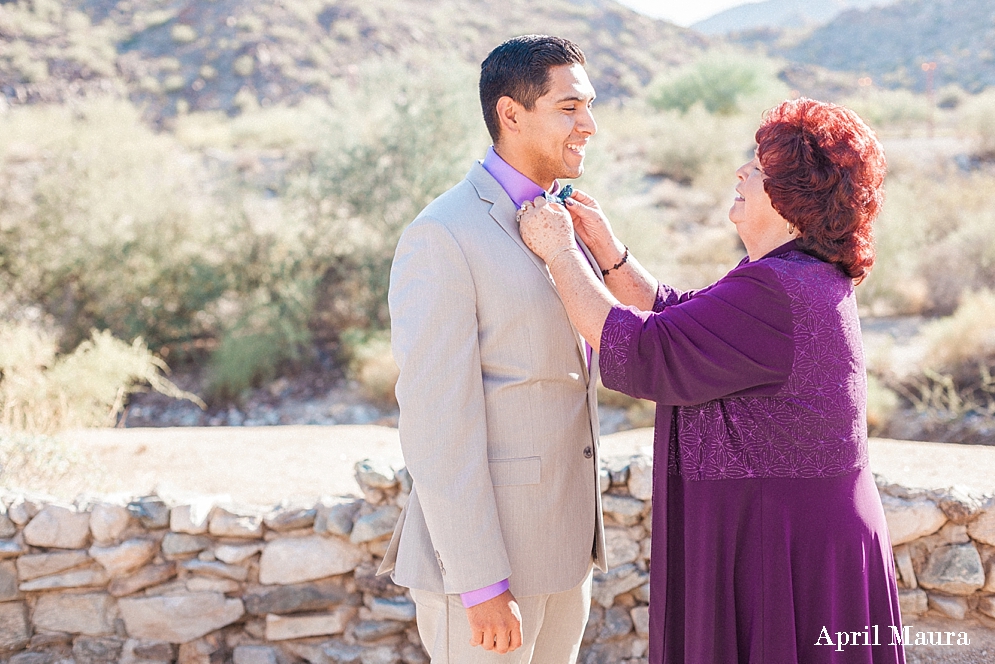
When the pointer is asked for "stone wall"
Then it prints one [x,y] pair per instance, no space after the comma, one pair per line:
[144,581]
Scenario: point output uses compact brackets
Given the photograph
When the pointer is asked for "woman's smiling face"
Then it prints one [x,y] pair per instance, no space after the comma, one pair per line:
[752,210]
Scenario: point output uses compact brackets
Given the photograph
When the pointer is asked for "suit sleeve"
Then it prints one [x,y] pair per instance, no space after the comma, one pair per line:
[440,391]
[732,339]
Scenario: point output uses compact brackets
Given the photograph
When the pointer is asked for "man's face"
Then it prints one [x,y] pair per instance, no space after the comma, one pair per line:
[556,131]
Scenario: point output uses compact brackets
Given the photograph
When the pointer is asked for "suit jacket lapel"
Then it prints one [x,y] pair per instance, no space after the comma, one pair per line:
[503,212]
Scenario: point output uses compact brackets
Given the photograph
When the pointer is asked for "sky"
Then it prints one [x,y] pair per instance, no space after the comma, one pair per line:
[681,12]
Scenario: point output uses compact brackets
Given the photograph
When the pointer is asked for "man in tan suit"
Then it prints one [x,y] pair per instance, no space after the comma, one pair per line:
[499,425]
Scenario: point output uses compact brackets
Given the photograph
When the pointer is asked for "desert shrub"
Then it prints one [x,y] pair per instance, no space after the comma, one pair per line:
[106,225]
[684,145]
[371,365]
[955,376]
[272,335]
[42,391]
[243,361]
[956,344]
[890,109]
[978,120]
[721,83]
[396,141]
[933,242]
[882,404]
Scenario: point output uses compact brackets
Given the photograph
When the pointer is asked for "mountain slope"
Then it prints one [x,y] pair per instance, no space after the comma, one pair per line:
[891,43]
[206,55]
[779,14]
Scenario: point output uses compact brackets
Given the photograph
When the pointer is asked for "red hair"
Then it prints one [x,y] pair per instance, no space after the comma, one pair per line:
[825,169]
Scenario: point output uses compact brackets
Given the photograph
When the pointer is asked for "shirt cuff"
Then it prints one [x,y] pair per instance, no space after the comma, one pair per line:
[475,597]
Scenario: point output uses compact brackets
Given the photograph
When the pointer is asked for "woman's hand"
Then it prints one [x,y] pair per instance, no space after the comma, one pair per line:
[546,228]
[593,228]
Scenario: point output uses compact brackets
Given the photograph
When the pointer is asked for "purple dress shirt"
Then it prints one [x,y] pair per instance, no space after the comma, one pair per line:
[520,189]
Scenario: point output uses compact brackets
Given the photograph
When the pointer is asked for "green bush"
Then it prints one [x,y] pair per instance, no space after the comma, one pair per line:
[392,145]
[721,83]
[105,224]
[686,146]
[890,109]
[264,341]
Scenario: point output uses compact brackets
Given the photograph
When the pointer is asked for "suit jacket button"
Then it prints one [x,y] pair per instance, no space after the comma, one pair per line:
[588,452]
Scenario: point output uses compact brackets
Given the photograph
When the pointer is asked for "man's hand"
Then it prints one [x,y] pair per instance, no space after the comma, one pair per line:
[496,624]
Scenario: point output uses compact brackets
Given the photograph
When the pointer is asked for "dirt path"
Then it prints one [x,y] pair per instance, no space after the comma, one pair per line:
[251,465]
[981,649]
[265,465]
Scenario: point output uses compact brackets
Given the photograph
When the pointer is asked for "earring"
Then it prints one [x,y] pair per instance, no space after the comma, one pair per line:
[791,228]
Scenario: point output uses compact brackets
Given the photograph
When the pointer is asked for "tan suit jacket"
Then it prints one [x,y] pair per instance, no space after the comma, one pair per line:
[499,422]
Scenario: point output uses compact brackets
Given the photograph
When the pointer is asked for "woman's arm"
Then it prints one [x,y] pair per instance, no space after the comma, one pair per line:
[548,231]
[734,338]
[586,299]
[630,282]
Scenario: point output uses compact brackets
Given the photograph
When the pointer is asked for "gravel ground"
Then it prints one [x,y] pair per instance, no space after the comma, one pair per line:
[981,650]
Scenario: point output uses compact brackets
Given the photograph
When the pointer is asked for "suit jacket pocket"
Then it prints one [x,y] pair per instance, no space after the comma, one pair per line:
[513,472]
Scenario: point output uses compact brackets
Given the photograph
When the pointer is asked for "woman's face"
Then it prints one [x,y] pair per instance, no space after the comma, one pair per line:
[752,211]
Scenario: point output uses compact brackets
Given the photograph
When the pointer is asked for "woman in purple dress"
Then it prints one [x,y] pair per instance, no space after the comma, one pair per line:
[769,540]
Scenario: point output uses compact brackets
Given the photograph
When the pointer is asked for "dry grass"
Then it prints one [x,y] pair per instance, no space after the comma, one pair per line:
[42,392]
[372,366]
[965,338]
[954,378]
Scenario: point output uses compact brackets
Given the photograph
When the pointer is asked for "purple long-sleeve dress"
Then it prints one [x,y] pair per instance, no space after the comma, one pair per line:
[768,532]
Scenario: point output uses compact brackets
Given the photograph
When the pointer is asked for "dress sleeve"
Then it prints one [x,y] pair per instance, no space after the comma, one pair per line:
[667,296]
[734,338]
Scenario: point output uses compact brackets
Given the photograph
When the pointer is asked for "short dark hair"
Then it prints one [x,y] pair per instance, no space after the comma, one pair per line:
[519,68]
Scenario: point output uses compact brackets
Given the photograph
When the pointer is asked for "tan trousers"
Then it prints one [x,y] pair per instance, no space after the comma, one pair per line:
[552,628]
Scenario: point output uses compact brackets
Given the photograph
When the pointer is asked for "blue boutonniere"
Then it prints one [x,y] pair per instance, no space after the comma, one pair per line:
[561,196]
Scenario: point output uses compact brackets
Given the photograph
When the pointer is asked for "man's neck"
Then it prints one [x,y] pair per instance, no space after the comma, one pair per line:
[521,164]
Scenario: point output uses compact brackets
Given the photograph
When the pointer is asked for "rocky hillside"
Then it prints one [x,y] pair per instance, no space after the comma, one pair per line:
[171,55]
[779,14]
[891,43]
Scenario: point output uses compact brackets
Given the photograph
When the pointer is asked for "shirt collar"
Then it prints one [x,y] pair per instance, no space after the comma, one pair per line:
[518,187]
